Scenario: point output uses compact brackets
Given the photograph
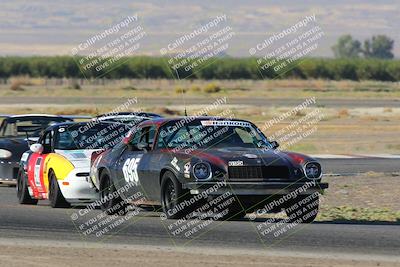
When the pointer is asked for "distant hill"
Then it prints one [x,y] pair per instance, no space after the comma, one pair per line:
[48,27]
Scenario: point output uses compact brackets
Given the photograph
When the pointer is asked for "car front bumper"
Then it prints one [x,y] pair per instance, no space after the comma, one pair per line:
[255,188]
[78,189]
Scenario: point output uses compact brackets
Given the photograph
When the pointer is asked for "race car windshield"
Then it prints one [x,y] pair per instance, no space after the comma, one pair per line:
[31,126]
[86,136]
[207,134]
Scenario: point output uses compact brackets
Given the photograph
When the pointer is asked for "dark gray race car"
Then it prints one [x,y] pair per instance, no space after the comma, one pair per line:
[192,165]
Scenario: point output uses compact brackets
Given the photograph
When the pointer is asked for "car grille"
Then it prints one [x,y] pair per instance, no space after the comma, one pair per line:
[258,172]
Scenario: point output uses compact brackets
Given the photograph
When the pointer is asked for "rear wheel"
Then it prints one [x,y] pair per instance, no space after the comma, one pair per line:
[172,196]
[110,203]
[22,190]
[56,197]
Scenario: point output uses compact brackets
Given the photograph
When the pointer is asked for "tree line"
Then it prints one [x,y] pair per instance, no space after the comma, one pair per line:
[379,46]
[223,68]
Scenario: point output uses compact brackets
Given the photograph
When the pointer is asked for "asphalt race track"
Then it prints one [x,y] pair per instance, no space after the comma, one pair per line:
[44,223]
[353,166]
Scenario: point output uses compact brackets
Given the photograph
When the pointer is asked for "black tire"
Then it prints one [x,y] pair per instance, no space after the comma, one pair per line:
[304,212]
[172,195]
[111,205]
[56,197]
[22,190]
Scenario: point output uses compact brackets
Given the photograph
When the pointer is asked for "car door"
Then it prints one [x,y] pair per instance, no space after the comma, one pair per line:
[134,164]
[36,168]
[149,169]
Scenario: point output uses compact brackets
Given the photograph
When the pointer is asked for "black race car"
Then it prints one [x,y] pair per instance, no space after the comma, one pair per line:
[193,165]
[16,134]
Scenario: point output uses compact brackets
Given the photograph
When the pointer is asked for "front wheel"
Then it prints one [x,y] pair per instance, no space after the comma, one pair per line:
[22,190]
[56,197]
[111,203]
[173,196]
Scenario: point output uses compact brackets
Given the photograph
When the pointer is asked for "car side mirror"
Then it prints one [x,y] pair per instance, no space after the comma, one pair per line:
[142,146]
[274,144]
[36,148]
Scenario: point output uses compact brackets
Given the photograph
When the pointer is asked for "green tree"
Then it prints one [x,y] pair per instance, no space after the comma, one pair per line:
[347,47]
[379,46]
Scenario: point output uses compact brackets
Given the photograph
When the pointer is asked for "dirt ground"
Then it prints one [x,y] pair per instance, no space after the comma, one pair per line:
[44,253]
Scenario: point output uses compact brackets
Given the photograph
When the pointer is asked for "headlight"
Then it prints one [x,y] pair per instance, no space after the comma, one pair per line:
[202,171]
[312,170]
[5,154]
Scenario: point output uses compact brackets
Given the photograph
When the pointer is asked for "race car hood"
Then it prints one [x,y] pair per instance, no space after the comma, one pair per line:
[13,141]
[249,156]
[79,158]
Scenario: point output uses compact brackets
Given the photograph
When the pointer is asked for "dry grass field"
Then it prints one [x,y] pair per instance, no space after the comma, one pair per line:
[355,199]
[341,130]
[25,86]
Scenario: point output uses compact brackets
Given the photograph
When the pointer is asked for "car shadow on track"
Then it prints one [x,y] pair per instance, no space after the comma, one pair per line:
[360,222]
[338,221]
